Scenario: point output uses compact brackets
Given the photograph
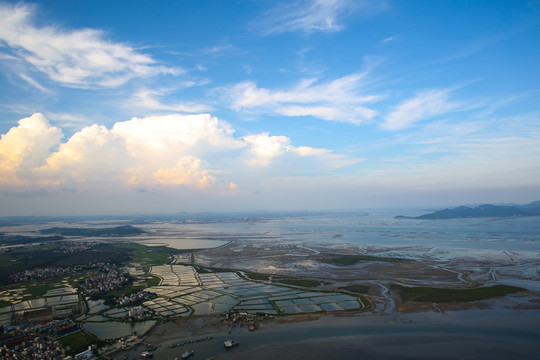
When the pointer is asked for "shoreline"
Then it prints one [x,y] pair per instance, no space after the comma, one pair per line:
[495,331]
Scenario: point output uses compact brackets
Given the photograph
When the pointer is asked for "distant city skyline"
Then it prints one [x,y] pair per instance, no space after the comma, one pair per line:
[135,107]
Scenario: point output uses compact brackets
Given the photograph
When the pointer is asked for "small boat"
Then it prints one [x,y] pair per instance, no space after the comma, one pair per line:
[230,343]
[187,354]
[147,354]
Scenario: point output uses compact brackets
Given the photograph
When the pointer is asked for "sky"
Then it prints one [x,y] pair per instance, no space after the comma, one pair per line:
[142,107]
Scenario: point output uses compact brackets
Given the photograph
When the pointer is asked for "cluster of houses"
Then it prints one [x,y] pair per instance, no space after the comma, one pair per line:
[137,297]
[55,271]
[110,280]
[44,273]
[36,341]
[76,246]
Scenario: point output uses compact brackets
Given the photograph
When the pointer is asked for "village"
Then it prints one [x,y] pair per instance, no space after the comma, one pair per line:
[182,292]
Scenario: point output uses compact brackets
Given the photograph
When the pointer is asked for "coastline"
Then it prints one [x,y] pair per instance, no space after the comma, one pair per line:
[498,331]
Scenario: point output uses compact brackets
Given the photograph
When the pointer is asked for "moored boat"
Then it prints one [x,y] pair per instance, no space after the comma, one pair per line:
[187,354]
[230,343]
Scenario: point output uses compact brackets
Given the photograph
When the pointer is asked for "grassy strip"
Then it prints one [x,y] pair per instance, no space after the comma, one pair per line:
[344,260]
[445,295]
[153,281]
[366,304]
[299,282]
[358,289]
[257,276]
[282,280]
[151,255]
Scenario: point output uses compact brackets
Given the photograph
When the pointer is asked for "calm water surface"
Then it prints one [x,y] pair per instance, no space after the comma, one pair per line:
[471,334]
[382,229]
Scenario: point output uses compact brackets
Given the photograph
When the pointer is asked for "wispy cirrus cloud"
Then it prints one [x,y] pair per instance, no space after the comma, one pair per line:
[34,83]
[313,15]
[150,99]
[389,39]
[424,105]
[76,58]
[336,100]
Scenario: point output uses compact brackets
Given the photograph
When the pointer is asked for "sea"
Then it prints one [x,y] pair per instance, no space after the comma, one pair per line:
[481,237]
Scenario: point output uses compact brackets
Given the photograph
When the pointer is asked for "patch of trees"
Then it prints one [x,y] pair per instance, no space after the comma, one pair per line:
[22,240]
[125,230]
[50,255]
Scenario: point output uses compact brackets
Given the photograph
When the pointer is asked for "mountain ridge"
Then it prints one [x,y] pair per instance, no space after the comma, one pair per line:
[485,210]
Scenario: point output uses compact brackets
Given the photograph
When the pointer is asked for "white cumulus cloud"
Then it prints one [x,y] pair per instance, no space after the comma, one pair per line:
[187,171]
[198,151]
[93,154]
[26,147]
[162,150]
[264,148]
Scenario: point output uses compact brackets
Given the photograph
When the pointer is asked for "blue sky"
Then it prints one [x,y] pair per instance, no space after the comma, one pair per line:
[148,107]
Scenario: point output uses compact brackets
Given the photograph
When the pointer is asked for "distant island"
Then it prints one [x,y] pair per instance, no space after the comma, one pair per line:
[126,230]
[486,210]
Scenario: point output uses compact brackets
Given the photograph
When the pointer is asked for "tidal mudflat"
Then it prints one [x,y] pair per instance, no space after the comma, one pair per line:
[373,253]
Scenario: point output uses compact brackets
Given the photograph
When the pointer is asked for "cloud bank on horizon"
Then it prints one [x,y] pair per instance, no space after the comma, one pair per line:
[309,104]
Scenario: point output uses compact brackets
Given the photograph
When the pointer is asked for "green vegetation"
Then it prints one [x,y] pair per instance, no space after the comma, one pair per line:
[445,295]
[365,302]
[6,260]
[152,281]
[151,255]
[299,282]
[257,276]
[78,341]
[344,260]
[51,255]
[38,289]
[358,289]
[22,240]
[125,230]
[4,303]
[282,279]
[111,296]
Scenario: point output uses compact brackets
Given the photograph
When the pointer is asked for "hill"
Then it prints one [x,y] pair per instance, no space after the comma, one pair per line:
[486,210]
